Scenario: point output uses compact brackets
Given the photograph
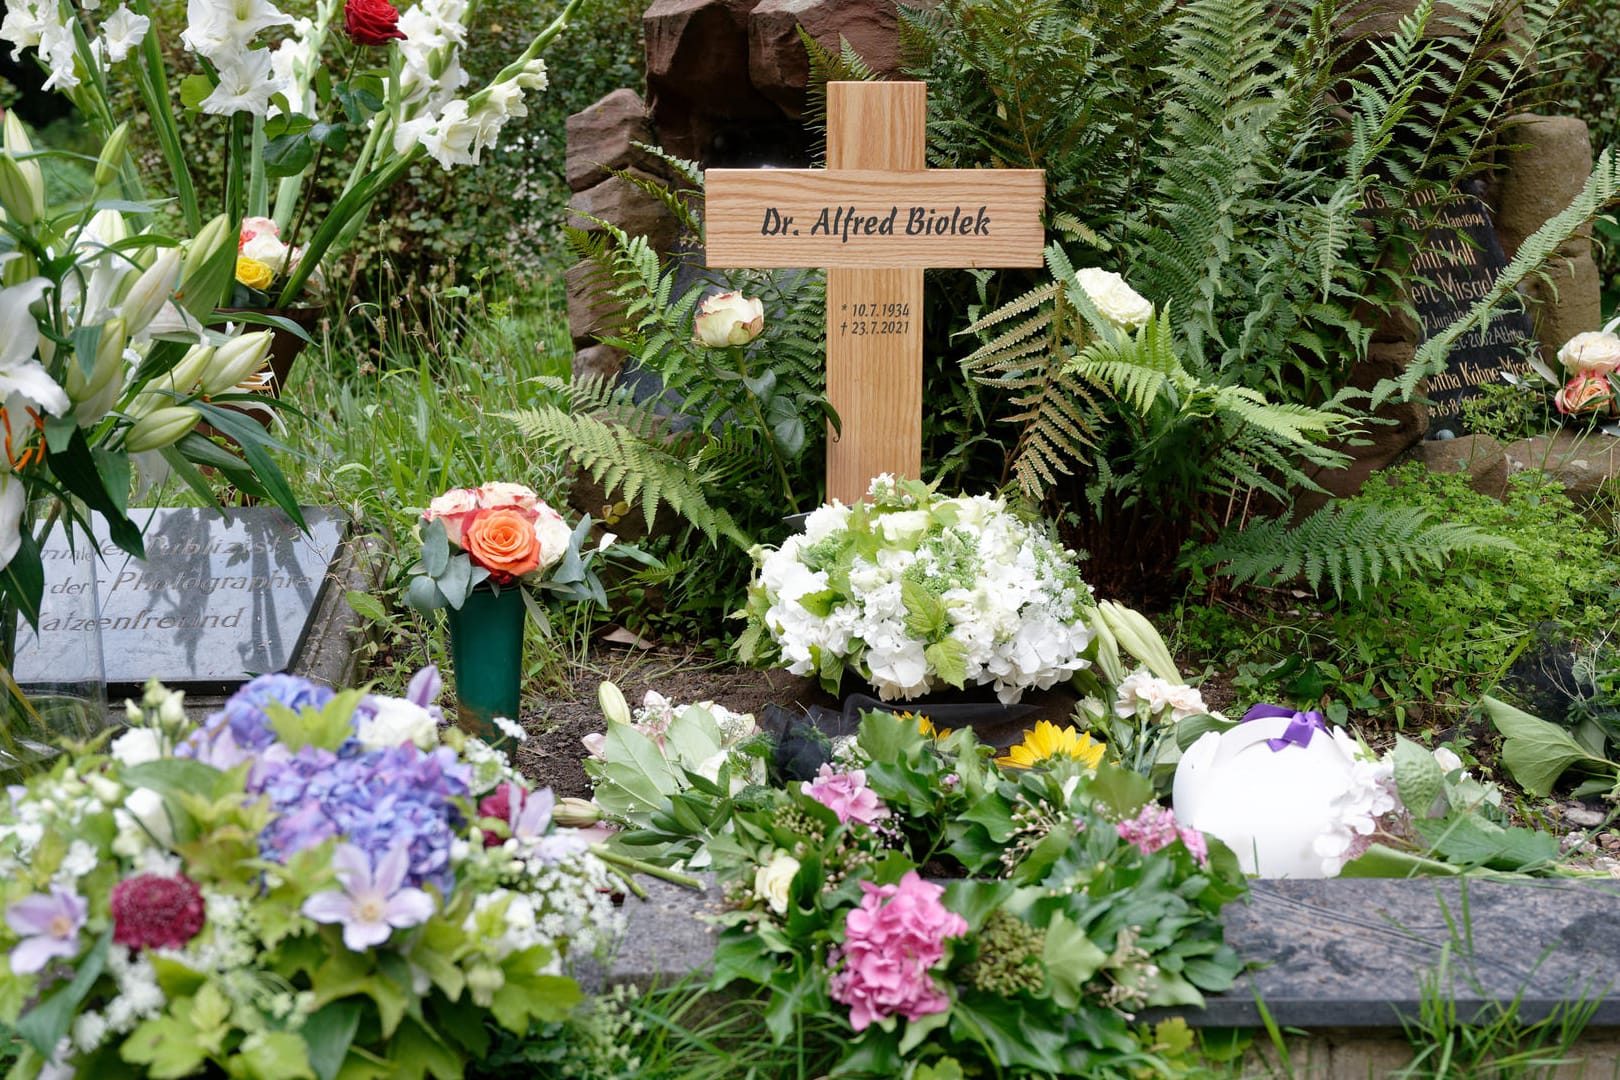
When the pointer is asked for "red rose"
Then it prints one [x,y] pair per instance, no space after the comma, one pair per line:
[371,22]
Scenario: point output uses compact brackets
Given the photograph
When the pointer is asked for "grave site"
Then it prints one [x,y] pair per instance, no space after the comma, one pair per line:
[828,538]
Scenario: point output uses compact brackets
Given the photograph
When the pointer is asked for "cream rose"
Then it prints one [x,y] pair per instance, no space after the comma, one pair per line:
[728,319]
[1592,353]
[453,508]
[554,536]
[1115,301]
[773,880]
[501,493]
[265,248]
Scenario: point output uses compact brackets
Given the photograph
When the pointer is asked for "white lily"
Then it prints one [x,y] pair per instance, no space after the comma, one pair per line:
[21,373]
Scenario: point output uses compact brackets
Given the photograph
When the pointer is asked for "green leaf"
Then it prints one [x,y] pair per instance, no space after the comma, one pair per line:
[820,604]
[113,467]
[271,1055]
[22,581]
[457,580]
[287,155]
[1418,778]
[948,658]
[166,1046]
[1472,841]
[59,431]
[193,89]
[256,447]
[1071,960]
[45,1024]
[545,998]
[325,728]
[367,606]
[329,1031]
[1536,752]
[435,548]
[926,616]
[76,468]
[418,1052]
[1379,861]
[423,594]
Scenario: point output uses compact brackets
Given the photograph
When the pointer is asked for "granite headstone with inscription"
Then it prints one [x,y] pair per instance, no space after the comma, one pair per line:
[216,601]
[1457,266]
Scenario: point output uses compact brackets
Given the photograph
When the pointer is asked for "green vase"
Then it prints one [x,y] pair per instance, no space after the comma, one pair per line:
[486,649]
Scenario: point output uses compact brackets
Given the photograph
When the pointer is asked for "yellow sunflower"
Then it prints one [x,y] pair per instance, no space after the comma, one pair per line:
[924,724]
[1048,741]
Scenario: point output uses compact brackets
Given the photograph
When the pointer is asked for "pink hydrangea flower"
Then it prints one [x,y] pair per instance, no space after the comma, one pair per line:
[1155,827]
[846,794]
[890,943]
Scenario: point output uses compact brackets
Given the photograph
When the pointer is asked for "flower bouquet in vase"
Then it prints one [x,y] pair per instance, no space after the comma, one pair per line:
[480,548]
[1589,391]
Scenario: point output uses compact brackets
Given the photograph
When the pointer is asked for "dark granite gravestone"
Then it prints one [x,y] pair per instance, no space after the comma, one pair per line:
[216,600]
[1456,266]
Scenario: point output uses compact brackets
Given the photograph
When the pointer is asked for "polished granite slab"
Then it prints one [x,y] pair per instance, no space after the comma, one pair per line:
[217,599]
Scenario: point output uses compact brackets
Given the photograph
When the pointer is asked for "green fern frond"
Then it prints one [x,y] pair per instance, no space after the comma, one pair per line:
[635,469]
[1351,546]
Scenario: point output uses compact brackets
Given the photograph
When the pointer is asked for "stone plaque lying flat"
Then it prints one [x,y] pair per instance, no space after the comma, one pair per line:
[216,601]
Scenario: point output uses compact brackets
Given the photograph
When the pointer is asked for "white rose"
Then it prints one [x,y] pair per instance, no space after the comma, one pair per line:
[1447,759]
[554,536]
[503,493]
[1115,301]
[137,746]
[148,814]
[395,723]
[773,880]
[1591,353]
[904,526]
[728,319]
[267,249]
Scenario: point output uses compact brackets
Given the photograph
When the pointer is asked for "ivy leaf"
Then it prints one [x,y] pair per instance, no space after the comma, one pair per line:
[167,1046]
[270,1055]
[948,658]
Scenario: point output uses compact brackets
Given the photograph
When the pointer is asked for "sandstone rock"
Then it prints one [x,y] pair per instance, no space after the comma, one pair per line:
[637,212]
[599,361]
[1583,461]
[777,63]
[591,310]
[1480,456]
[1382,443]
[1545,171]
[697,53]
[603,137]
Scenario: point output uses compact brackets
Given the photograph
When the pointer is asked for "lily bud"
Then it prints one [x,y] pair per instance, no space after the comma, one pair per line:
[575,813]
[184,376]
[22,193]
[18,269]
[151,290]
[210,266]
[236,360]
[22,184]
[109,362]
[160,428]
[614,707]
[112,155]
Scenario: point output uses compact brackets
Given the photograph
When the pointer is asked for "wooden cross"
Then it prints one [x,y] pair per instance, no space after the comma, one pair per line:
[875,218]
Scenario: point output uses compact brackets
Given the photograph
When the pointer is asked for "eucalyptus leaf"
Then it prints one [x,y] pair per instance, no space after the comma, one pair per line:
[435,548]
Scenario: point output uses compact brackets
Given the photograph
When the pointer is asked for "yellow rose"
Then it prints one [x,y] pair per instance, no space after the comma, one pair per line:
[253,273]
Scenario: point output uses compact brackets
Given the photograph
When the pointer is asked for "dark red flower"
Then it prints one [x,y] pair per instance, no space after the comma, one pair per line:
[153,911]
[371,22]
[497,805]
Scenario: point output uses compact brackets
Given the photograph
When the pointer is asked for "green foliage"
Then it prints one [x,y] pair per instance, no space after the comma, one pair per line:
[1437,631]
[1508,411]
[1348,543]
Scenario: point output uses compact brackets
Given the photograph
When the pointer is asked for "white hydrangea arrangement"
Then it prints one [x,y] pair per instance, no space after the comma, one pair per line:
[918,592]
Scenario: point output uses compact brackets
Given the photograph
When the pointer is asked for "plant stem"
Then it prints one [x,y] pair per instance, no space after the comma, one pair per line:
[639,866]
[739,354]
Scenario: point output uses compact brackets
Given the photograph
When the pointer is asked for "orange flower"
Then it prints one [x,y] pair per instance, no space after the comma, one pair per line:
[503,541]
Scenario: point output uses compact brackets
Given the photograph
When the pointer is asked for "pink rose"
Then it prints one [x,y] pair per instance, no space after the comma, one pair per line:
[453,508]
[499,493]
[890,943]
[846,794]
[1586,394]
[256,226]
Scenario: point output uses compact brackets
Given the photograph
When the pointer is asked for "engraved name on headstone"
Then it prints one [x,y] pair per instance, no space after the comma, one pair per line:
[1457,265]
[215,601]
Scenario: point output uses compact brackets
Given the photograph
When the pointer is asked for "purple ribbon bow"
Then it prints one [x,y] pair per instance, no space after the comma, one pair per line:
[1300,730]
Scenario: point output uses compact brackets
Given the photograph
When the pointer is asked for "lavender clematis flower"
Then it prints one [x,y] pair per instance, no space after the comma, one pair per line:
[49,924]
[529,816]
[370,906]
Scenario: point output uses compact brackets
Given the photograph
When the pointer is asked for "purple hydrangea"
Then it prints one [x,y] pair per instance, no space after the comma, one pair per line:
[374,799]
[244,719]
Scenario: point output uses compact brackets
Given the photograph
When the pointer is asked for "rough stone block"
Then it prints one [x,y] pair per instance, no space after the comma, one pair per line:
[603,137]
[1544,169]
[636,211]
[697,52]
[1383,443]
[599,361]
[1581,461]
[777,63]
[1480,456]
[591,310]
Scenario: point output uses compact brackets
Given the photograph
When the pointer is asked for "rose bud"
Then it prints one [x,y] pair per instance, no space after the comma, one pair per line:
[728,319]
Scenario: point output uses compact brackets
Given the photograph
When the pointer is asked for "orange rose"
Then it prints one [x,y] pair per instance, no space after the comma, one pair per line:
[503,541]
[1585,394]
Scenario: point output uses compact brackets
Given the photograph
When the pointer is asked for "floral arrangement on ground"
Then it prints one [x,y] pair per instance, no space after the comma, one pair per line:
[311,883]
